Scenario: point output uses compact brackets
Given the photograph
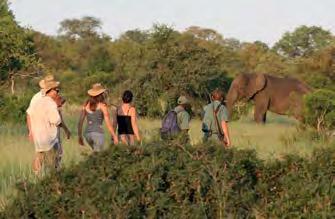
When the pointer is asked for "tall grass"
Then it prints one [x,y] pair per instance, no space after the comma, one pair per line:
[278,137]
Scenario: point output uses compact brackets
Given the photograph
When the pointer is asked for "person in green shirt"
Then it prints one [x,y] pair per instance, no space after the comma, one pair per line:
[183,118]
[216,128]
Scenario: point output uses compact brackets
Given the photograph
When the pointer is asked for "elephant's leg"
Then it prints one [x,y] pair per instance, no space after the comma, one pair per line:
[261,107]
[296,107]
[264,117]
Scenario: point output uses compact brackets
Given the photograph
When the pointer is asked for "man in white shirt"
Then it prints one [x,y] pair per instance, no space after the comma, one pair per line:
[44,121]
[35,99]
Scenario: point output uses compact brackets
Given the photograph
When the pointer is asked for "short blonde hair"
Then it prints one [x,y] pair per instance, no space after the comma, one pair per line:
[217,94]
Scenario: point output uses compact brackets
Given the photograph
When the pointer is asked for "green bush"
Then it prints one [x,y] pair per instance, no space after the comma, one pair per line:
[13,108]
[74,86]
[172,181]
[298,188]
[319,81]
[319,109]
[241,109]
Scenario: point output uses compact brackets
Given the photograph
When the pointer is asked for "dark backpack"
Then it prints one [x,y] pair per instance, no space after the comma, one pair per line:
[170,126]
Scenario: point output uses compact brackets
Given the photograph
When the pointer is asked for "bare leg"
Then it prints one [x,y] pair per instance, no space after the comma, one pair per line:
[124,139]
[37,163]
[131,139]
[127,139]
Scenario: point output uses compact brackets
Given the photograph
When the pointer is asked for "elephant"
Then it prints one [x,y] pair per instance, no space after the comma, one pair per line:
[279,95]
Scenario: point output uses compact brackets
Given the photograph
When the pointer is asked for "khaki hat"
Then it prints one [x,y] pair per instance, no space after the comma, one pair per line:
[46,79]
[96,90]
[48,85]
[183,100]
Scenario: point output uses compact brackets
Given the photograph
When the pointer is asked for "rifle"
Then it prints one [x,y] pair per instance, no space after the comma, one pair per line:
[218,125]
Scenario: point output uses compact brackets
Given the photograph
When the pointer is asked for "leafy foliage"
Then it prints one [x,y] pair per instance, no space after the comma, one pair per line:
[85,27]
[320,109]
[160,63]
[186,67]
[16,45]
[165,181]
[303,41]
[13,109]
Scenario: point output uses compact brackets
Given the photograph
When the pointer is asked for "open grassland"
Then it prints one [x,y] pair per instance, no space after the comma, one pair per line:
[278,137]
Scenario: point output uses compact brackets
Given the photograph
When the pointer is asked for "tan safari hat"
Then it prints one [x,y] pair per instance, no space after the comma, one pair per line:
[96,90]
[183,100]
[48,85]
[46,79]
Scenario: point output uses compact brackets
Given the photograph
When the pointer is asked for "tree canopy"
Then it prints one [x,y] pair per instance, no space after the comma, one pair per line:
[17,51]
[160,63]
[303,41]
[86,27]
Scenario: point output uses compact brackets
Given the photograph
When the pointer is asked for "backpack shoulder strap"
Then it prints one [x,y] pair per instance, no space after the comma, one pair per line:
[218,125]
[217,109]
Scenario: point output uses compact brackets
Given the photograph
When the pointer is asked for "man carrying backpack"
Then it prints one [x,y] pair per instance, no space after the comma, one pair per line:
[176,123]
[215,120]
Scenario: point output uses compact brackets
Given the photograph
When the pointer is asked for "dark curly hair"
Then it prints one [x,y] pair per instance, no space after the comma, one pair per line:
[127,96]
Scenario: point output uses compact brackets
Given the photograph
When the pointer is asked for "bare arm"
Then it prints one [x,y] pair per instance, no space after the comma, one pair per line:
[225,129]
[80,125]
[109,125]
[63,125]
[134,123]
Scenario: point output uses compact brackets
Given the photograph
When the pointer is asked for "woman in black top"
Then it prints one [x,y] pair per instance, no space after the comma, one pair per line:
[126,120]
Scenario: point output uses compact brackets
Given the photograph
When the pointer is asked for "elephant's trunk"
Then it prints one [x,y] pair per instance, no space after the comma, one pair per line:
[231,99]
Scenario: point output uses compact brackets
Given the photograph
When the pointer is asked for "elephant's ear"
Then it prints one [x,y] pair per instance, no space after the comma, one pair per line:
[256,83]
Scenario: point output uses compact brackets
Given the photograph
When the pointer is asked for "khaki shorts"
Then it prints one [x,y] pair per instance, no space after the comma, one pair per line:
[50,159]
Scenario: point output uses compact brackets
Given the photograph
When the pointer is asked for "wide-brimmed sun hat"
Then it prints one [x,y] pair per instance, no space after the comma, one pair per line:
[96,90]
[48,85]
[183,100]
[47,78]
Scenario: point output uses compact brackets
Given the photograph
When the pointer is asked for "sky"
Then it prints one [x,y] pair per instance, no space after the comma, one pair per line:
[246,20]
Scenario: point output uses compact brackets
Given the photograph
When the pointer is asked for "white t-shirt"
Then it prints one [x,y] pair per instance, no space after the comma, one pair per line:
[44,119]
[33,101]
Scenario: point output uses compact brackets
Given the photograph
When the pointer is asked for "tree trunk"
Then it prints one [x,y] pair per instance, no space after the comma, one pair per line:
[12,82]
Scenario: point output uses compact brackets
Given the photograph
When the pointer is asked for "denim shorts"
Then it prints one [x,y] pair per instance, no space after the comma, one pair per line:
[96,140]
[59,154]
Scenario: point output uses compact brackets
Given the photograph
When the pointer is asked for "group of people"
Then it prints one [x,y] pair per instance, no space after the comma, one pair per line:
[176,123]
[95,111]
[45,120]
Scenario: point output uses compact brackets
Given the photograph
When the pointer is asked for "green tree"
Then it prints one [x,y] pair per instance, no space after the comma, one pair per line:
[303,41]
[176,64]
[320,109]
[135,35]
[205,34]
[86,27]
[100,59]
[258,58]
[16,48]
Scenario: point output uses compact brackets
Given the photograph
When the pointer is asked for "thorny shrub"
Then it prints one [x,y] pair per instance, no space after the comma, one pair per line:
[162,180]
